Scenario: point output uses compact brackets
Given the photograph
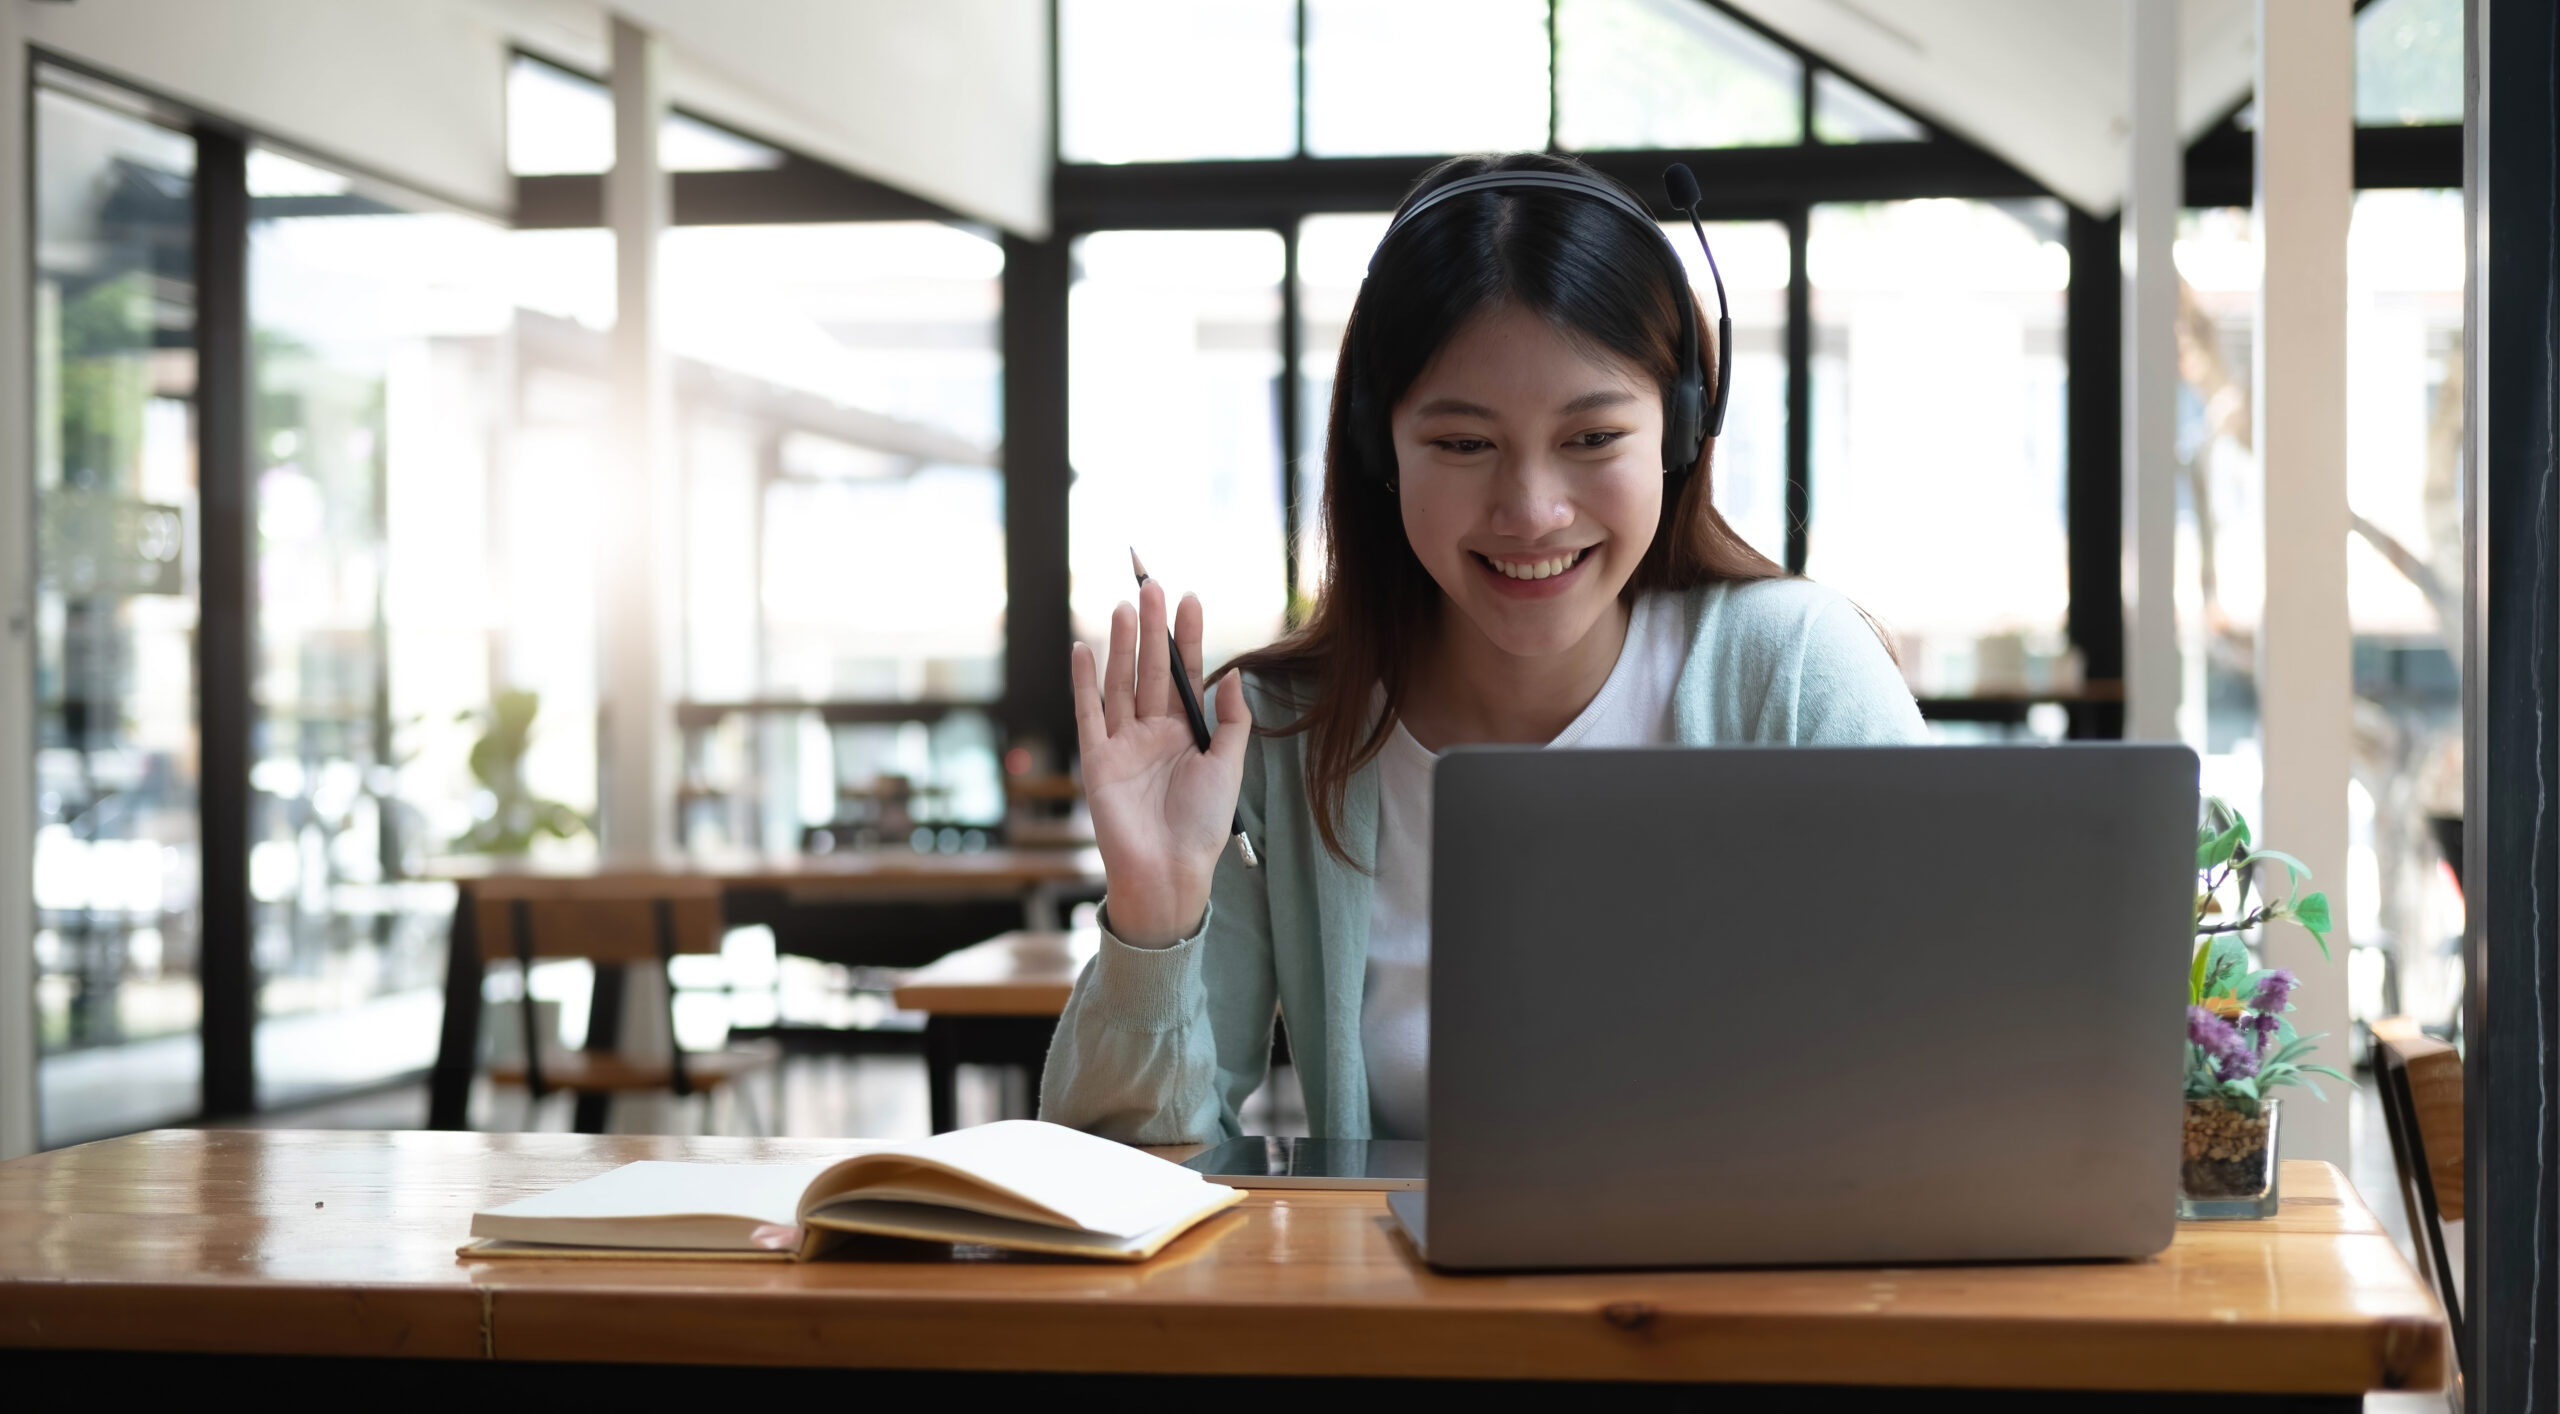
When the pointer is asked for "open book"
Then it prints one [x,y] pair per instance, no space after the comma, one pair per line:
[1018,1183]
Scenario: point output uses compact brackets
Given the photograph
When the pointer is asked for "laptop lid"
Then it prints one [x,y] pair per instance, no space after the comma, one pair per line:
[1804,1005]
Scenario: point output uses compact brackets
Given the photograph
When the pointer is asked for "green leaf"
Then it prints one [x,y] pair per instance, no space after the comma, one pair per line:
[2213,850]
[2332,1072]
[2295,870]
[2227,963]
[2313,914]
[2195,974]
[2218,815]
[2293,1050]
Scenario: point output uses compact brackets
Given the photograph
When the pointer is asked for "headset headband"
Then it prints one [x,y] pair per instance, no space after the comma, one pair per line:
[1573,182]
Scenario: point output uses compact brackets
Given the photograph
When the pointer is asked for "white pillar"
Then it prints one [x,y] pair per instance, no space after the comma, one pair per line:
[17,620]
[635,608]
[2305,191]
[2154,190]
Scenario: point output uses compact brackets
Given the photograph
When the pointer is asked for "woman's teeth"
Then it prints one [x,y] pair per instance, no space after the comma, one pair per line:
[1536,569]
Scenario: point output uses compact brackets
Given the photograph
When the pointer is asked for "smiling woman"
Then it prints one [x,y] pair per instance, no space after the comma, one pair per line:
[1521,545]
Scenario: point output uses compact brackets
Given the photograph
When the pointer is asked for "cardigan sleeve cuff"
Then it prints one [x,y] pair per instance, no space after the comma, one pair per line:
[1150,989]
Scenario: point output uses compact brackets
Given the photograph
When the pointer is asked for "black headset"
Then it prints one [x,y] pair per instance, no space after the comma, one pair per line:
[1689,417]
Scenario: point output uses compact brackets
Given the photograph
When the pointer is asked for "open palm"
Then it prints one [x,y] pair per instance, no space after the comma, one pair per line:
[1161,806]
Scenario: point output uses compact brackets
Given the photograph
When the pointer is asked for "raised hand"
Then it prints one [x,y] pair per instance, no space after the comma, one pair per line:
[1161,807]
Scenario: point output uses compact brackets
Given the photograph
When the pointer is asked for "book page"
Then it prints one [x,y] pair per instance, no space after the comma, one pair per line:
[923,1222]
[1048,1172]
[656,1203]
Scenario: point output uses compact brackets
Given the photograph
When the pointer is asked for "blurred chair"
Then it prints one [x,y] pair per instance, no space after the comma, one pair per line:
[613,923]
[2420,1079]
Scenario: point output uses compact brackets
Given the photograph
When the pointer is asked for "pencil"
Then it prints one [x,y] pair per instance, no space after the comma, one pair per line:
[1191,709]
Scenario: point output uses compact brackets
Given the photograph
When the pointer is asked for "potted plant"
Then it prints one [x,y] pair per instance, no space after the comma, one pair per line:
[2240,1048]
[509,814]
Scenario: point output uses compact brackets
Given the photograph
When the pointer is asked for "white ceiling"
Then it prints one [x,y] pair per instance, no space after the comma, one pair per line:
[2041,83]
[948,100]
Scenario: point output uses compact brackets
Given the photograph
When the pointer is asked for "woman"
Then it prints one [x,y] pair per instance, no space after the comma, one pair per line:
[1508,560]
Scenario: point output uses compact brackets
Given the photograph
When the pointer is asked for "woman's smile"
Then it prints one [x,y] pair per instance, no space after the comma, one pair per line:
[1533,574]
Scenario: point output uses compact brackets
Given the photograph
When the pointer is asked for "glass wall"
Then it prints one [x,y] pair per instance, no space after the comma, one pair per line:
[1392,77]
[2408,62]
[2404,568]
[1333,258]
[1173,386]
[377,396]
[1937,474]
[559,122]
[117,861]
[1751,454]
[1671,73]
[1230,69]
[840,389]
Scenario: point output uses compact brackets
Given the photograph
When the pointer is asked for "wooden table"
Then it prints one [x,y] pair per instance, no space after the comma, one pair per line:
[995,1003]
[341,1244]
[887,908]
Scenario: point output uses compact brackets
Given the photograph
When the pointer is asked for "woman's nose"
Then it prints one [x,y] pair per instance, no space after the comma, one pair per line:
[1530,498]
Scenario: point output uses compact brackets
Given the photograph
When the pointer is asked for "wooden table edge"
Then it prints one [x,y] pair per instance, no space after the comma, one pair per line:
[1038,1000]
[1608,1342]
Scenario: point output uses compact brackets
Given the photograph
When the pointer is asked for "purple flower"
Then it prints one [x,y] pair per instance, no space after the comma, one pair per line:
[2203,1026]
[2233,1057]
[2264,1024]
[2275,991]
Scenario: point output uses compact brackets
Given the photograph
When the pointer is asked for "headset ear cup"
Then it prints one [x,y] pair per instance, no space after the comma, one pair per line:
[1684,426]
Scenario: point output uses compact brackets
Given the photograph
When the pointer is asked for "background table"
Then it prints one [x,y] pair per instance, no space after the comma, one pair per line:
[343,1244]
[996,1003]
[881,908]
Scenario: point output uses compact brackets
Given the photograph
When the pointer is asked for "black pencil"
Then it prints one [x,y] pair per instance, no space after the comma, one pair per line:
[1200,733]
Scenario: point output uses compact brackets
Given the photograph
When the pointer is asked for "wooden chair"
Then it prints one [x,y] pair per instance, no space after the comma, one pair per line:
[613,923]
[2420,1079]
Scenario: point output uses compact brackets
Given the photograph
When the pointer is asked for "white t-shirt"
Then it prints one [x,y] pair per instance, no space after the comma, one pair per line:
[1633,708]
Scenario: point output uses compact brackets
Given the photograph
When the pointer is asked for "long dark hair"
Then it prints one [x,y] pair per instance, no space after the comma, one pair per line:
[1589,272]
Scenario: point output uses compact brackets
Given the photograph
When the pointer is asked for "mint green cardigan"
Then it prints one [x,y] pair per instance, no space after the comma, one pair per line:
[1163,1045]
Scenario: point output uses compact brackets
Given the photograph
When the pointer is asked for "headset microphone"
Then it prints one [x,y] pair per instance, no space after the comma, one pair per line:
[1681,185]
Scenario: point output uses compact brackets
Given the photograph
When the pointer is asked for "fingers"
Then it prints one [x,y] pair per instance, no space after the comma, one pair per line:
[1120,670]
[1235,720]
[1091,728]
[1186,635]
[1155,670]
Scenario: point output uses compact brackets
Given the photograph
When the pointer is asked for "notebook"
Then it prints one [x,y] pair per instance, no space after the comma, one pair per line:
[1017,1184]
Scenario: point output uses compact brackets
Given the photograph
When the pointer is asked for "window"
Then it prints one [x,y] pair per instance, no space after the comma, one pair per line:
[117,868]
[2409,62]
[1751,455]
[1845,113]
[561,123]
[1173,414]
[1176,80]
[1333,258]
[1937,472]
[838,388]
[1395,77]
[378,385]
[1670,73]
[2404,566]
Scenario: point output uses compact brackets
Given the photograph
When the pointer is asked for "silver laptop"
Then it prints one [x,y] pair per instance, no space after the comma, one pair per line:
[1759,1006]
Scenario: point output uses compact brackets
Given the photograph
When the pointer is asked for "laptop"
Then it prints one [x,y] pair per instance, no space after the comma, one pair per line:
[1778,1006]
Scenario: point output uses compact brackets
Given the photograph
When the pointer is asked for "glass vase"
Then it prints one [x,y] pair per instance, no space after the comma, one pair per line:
[2228,1166]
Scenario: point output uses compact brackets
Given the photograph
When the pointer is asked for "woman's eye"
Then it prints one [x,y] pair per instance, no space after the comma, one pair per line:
[1462,446]
[1592,441]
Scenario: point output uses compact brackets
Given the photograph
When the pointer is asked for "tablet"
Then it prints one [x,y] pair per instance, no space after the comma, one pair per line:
[1372,1165]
